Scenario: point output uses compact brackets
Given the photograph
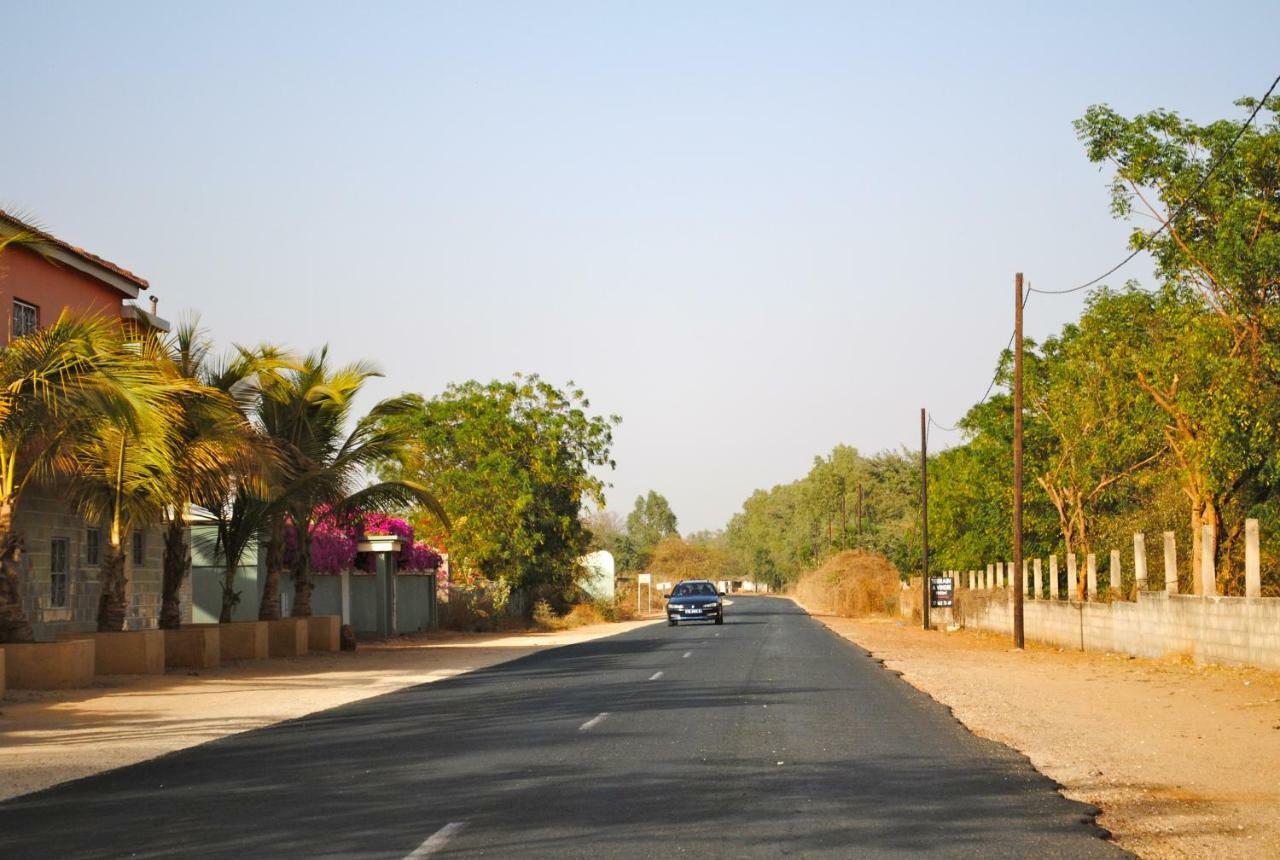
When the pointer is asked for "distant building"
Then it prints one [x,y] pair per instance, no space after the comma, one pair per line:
[63,552]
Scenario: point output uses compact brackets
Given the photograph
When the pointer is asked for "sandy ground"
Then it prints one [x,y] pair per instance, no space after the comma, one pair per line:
[1183,760]
[50,737]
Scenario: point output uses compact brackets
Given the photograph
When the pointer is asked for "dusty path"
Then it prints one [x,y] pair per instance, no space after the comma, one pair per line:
[1184,760]
[48,738]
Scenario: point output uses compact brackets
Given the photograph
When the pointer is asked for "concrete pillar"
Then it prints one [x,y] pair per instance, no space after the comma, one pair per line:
[991,576]
[1073,581]
[1038,589]
[1252,560]
[1053,577]
[1170,563]
[1139,561]
[971,580]
[1115,581]
[1026,578]
[999,574]
[1091,575]
[1209,577]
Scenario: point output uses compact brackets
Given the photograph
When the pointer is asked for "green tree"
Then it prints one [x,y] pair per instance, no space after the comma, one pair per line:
[1212,190]
[306,411]
[651,520]
[513,462]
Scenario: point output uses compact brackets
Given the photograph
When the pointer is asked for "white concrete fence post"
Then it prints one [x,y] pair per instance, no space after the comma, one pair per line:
[1073,580]
[1091,575]
[1252,560]
[999,574]
[1209,577]
[1053,577]
[1170,563]
[1039,579]
[971,583]
[1139,561]
[991,576]
[1026,577]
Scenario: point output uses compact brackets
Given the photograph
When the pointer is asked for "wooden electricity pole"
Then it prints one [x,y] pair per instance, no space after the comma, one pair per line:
[924,516]
[1018,641]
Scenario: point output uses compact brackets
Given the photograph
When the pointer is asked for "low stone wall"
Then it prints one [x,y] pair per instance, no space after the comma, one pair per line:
[193,647]
[287,637]
[322,632]
[240,640]
[63,665]
[1227,630]
[132,652]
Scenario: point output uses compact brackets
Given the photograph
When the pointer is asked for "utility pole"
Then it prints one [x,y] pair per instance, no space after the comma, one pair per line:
[859,513]
[1018,641]
[924,515]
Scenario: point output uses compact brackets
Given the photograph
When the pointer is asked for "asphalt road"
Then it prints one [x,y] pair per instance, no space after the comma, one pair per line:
[768,736]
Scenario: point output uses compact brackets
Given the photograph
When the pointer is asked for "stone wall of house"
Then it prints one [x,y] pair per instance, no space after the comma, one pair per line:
[44,517]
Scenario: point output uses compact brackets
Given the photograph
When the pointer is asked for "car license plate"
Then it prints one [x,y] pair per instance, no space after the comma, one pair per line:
[692,611]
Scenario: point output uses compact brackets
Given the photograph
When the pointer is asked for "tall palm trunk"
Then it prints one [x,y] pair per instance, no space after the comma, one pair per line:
[230,597]
[269,608]
[111,605]
[302,584]
[177,566]
[14,626]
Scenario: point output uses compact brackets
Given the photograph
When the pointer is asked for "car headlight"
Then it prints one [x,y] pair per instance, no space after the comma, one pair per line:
[710,605]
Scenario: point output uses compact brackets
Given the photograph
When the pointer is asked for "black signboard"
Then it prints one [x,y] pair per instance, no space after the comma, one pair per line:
[941,591]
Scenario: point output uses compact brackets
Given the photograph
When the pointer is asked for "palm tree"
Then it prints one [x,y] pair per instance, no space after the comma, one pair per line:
[55,384]
[307,413]
[122,470]
[218,452]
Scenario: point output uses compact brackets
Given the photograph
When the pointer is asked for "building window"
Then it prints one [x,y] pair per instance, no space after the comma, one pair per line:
[58,572]
[139,547]
[26,318]
[93,546]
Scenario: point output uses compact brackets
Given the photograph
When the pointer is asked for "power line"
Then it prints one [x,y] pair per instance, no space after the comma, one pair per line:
[994,377]
[1177,212]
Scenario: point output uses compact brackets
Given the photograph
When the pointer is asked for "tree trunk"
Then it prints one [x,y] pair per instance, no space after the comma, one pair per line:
[1197,584]
[177,565]
[14,626]
[302,584]
[230,597]
[111,605]
[269,608]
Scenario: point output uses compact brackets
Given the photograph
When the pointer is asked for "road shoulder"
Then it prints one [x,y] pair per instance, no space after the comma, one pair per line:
[1181,758]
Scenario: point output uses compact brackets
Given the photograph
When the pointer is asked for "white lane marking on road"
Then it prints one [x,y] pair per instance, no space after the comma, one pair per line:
[655,676]
[687,655]
[593,722]
[436,841]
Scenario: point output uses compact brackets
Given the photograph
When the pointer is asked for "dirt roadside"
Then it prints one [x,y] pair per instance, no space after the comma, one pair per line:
[51,737]
[1183,760]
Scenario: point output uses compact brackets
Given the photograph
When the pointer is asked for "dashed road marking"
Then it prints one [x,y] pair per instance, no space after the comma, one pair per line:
[687,655]
[593,722]
[436,841]
[655,676]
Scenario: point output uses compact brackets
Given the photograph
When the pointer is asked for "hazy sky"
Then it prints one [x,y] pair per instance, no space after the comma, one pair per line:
[754,230]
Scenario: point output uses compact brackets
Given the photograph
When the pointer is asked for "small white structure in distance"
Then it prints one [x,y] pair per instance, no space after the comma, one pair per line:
[599,581]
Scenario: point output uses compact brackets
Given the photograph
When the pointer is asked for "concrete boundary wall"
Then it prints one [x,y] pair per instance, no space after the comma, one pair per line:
[1241,631]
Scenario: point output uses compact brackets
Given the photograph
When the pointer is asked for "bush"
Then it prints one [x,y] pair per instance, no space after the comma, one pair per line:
[852,583]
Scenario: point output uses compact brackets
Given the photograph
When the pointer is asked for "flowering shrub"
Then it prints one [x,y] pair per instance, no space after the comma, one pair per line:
[334,540]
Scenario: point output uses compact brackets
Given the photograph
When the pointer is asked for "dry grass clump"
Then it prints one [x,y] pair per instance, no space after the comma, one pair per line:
[581,614]
[852,583]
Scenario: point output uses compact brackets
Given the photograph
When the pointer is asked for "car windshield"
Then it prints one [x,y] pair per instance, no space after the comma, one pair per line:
[694,589]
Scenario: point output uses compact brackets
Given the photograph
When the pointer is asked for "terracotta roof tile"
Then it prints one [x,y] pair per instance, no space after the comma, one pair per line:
[27,227]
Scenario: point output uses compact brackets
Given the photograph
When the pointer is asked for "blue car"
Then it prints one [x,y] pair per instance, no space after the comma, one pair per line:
[695,600]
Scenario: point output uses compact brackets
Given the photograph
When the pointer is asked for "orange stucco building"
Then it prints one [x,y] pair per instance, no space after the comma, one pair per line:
[62,554]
